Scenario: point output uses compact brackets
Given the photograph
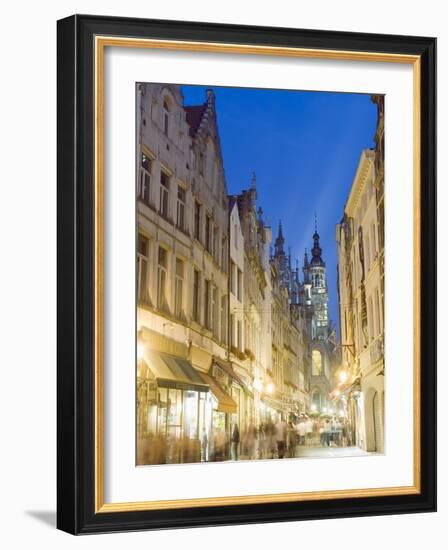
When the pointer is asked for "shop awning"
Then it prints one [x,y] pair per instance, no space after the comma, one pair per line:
[174,372]
[225,403]
[227,367]
[346,388]
[275,404]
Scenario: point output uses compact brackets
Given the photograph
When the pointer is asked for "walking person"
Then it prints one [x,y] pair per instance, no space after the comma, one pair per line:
[309,430]
[291,439]
[301,429]
[235,441]
[204,446]
[280,436]
[327,433]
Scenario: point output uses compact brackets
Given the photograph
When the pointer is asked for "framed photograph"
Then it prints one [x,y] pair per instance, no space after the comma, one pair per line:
[246,274]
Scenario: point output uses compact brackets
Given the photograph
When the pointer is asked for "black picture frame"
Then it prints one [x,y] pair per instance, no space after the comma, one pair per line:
[76,274]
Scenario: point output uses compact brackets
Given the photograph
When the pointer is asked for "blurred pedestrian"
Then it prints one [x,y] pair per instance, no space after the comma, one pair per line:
[280,436]
[235,441]
[309,430]
[301,431]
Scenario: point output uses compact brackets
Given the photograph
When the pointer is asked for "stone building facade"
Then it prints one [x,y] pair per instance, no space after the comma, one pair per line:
[182,267]
[224,327]
[291,331]
[360,239]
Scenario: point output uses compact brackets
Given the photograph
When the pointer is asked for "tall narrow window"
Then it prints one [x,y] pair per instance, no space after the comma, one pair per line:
[316,363]
[215,312]
[207,304]
[239,335]
[216,244]
[145,179]
[224,319]
[224,254]
[164,191]
[142,269]
[161,278]
[196,295]
[371,321]
[239,288]
[377,311]
[232,278]
[197,221]
[166,117]
[374,247]
[180,214]
[208,242]
[179,288]
[232,329]
[367,253]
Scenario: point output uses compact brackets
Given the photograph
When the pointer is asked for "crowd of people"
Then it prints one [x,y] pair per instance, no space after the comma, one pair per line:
[284,438]
[271,439]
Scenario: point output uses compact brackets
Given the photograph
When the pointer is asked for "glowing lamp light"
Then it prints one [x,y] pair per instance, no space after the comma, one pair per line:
[343,377]
[258,385]
[313,407]
[270,388]
[324,409]
[140,351]
[336,393]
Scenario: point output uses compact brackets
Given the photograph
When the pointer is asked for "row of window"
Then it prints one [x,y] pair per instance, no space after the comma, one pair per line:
[209,306]
[204,229]
[374,318]
[370,252]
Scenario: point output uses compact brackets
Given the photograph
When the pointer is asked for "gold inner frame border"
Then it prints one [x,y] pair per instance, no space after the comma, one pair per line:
[101,42]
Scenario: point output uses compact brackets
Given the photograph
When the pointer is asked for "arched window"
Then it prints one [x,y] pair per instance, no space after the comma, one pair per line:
[316,363]
[316,399]
[166,119]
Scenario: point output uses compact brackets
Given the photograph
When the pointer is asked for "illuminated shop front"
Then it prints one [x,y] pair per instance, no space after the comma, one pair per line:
[224,409]
[174,407]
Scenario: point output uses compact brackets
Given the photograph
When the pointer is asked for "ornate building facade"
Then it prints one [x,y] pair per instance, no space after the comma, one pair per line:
[182,268]
[291,331]
[360,239]
[226,331]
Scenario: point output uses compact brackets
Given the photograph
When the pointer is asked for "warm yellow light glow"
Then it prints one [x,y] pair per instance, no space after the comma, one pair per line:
[313,407]
[257,384]
[336,393]
[270,388]
[140,351]
[343,376]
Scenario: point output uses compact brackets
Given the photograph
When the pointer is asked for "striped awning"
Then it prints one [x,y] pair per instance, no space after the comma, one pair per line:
[172,371]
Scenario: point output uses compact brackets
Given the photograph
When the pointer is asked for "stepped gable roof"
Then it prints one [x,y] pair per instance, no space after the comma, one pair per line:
[194,117]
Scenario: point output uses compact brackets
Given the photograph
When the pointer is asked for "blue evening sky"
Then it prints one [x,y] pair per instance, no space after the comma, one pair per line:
[304,148]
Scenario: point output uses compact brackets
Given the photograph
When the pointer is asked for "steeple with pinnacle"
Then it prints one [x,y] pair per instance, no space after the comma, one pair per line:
[279,242]
[316,251]
[315,275]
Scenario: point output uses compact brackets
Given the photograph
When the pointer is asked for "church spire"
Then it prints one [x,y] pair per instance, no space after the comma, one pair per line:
[306,265]
[316,251]
[279,241]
